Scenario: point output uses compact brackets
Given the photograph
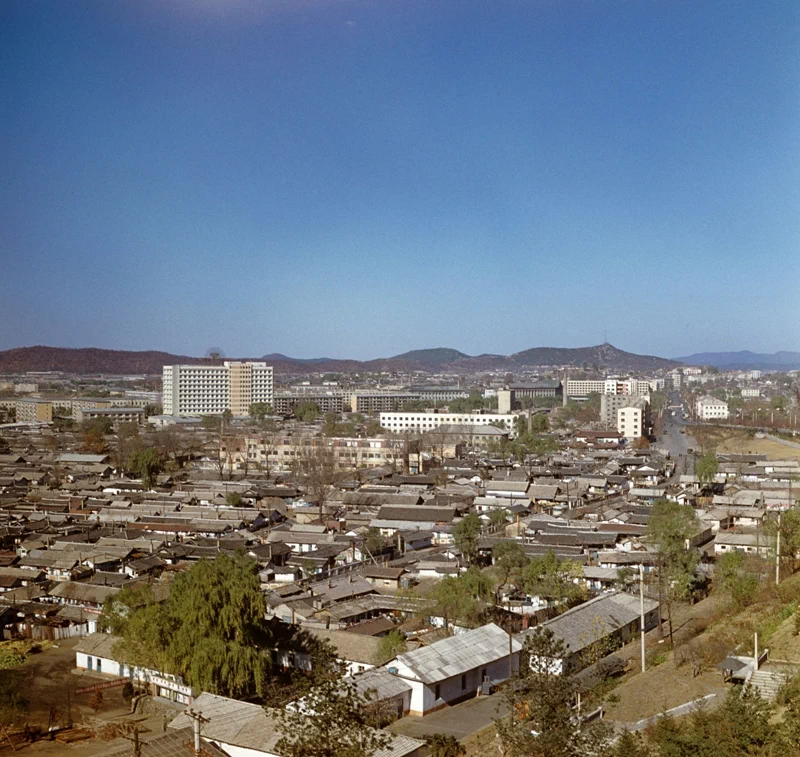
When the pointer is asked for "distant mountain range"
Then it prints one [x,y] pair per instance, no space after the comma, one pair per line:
[777,361]
[601,358]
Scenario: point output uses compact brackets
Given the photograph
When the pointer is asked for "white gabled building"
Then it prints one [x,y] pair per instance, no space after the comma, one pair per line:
[710,408]
[453,669]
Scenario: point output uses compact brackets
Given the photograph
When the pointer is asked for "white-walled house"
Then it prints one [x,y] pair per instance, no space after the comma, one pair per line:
[454,668]
[242,729]
[95,653]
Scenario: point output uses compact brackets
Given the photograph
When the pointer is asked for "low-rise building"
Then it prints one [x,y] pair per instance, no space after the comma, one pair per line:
[710,408]
[117,415]
[419,421]
[453,669]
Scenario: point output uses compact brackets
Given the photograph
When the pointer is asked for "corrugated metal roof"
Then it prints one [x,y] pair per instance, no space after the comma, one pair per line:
[458,654]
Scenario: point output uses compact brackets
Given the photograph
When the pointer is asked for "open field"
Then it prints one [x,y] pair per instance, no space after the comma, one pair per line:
[740,442]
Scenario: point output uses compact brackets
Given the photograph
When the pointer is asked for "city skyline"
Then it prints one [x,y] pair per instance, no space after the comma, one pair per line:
[356,180]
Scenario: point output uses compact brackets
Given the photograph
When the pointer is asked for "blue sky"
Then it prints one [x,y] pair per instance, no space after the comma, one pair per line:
[355,178]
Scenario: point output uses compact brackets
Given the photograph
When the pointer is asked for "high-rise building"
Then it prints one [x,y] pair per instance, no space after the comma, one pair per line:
[213,389]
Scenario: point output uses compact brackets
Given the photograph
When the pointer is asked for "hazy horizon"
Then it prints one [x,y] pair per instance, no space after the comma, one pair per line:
[360,178]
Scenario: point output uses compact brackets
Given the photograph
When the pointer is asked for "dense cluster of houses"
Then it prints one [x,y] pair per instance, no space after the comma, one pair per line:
[73,533]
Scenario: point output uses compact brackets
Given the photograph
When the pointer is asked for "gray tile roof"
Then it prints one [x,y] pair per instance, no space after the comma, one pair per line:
[596,619]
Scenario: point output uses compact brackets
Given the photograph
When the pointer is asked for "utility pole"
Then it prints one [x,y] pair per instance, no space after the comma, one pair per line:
[197,720]
[778,552]
[134,737]
[641,611]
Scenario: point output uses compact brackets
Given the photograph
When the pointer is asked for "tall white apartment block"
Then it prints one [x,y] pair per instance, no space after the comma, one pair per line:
[630,422]
[583,387]
[213,389]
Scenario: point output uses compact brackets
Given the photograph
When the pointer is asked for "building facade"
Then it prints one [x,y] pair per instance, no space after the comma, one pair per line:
[584,387]
[710,408]
[411,421]
[280,453]
[213,389]
[611,403]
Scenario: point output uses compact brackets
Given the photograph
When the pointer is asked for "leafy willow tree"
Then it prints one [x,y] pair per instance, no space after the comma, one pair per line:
[333,720]
[706,468]
[670,528]
[146,463]
[541,720]
[211,629]
[466,534]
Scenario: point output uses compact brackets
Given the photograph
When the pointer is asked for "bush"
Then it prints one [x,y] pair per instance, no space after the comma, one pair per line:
[10,658]
[440,745]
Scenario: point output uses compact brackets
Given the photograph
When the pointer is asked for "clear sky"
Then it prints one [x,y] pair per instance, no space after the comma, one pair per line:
[355,178]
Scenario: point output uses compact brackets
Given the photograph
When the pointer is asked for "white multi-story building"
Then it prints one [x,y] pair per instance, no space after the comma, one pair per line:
[751,393]
[213,389]
[710,408]
[411,421]
[630,421]
[583,387]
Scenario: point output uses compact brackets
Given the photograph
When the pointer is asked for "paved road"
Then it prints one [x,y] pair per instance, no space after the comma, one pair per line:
[676,442]
[460,720]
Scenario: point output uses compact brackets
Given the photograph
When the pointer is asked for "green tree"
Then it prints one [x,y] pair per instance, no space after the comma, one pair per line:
[540,423]
[260,410]
[541,721]
[737,582]
[466,534]
[211,630]
[670,528]
[374,542]
[454,601]
[146,464]
[553,579]
[227,416]
[509,560]
[444,745]
[234,499]
[333,720]
[391,645]
[498,516]
[152,409]
[707,468]
[306,412]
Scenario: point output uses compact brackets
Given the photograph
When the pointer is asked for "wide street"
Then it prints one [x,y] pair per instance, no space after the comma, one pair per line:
[673,440]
